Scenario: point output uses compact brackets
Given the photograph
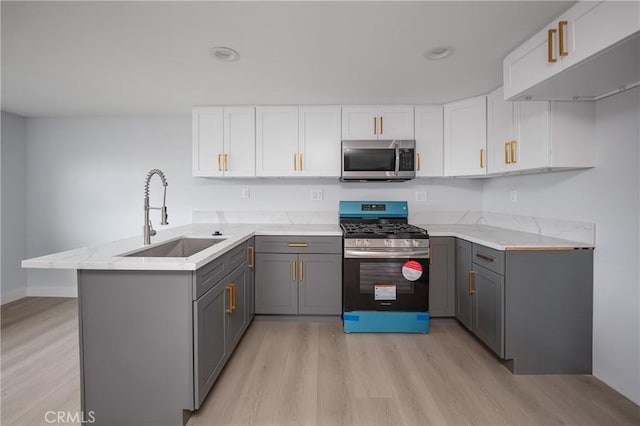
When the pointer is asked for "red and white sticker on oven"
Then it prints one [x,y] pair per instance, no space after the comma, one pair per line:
[412,270]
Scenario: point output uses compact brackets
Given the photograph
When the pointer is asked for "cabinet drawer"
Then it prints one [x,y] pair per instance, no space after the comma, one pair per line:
[298,244]
[489,258]
[209,275]
[236,257]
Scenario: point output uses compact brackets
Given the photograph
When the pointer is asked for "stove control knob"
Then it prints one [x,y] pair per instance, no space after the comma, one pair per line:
[359,243]
[387,243]
[367,243]
[416,243]
[407,243]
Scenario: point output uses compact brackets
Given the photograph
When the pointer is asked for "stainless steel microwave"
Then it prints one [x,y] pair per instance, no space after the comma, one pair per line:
[382,160]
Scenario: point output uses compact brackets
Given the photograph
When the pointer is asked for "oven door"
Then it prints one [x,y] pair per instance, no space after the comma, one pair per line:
[378,282]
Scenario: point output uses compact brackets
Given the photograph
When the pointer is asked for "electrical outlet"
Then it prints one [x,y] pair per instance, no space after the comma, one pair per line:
[514,195]
[246,193]
[421,196]
[316,195]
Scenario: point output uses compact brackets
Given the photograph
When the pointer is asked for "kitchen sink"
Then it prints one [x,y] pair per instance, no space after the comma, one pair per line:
[180,247]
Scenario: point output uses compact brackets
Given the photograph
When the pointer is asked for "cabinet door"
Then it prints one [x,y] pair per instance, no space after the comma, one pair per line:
[207,141]
[320,284]
[463,288]
[429,140]
[236,320]
[488,308]
[442,277]
[465,137]
[277,141]
[359,122]
[499,132]
[209,343]
[276,283]
[395,122]
[532,148]
[239,142]
[319,141]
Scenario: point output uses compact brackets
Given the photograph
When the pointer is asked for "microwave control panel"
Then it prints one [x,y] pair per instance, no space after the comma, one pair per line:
[407,160]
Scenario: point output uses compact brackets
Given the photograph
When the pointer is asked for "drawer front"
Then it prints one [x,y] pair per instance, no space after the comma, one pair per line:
[209,275]
[236,257]
[298,244]
[489,258]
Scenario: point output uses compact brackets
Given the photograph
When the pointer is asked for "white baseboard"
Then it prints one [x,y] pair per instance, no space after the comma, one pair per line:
[51,291]
[12,295]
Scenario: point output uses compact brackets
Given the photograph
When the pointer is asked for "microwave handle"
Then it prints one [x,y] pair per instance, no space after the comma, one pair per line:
[397,160]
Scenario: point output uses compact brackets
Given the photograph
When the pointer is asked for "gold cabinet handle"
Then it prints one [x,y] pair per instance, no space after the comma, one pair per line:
[233,287]
[300,162]
[219,169]
[418,155]
[550,57]
[482,158]
[375,125]
[230,290]
[252,257]
[381,125]
[513,151]
[561,26]
[301,272]
[506,153]
[472,290]
[430,257]
[298,244]
[295,162]
[293,271]
[226,165]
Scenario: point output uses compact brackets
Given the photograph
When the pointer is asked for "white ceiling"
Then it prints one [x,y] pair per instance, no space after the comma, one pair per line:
[132,58]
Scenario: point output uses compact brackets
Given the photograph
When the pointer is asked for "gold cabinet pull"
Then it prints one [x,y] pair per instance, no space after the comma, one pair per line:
[301,272]
[295,162]
[252,257]
[381,125]
[235,293]
[561,26]
[293,271]
[300,162]
[219,169]
[513,151]
[506,153]
[550,35]
[472,290]
[226,164]
[375,125]
[230,307]
[298,244]
[418,155]
[430,257]
[482,158]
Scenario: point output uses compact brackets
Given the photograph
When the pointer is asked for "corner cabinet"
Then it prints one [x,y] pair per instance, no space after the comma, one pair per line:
[429,140]
[588,52]
[465,137]
[223,141]
[533,308]
[298,275]
[363,122]
[294,141]
[530,135]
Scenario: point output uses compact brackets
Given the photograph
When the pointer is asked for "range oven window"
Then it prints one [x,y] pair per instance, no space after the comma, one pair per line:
[369,160]
[373,273]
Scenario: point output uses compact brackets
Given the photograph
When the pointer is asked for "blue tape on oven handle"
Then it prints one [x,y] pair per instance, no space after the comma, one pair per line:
[351,317]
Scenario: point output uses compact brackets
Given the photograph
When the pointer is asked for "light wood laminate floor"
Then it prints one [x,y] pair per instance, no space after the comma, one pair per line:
[286,373]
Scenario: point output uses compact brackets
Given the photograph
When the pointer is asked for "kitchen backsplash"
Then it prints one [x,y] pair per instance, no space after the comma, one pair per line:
[558,228]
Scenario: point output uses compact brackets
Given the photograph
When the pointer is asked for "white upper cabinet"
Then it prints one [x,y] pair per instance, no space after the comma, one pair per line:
[276,141]
[319,141]
[223,141]
[500,140]
[465,137]
[361,122]
[588,52]
[429,140]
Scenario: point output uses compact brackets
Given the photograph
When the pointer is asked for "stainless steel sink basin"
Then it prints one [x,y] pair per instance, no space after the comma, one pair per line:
[180,247]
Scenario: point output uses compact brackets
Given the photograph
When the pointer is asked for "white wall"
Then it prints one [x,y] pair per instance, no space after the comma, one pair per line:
[609,196]
[13,148]
[86,179]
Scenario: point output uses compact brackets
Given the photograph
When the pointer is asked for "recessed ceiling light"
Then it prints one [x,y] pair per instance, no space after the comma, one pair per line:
[438,53]
[224,54]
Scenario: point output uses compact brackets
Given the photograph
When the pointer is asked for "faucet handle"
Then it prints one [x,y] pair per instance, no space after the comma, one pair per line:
[165,217]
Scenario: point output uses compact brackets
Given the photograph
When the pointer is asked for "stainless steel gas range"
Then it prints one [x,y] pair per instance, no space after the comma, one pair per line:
[385,268]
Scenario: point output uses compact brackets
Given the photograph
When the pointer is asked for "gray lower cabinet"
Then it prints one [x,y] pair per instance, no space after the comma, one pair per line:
[532,308]
[442,276]
[298,275]
[251,280]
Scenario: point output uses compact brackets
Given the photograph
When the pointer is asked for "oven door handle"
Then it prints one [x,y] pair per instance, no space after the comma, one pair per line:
[386,254]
